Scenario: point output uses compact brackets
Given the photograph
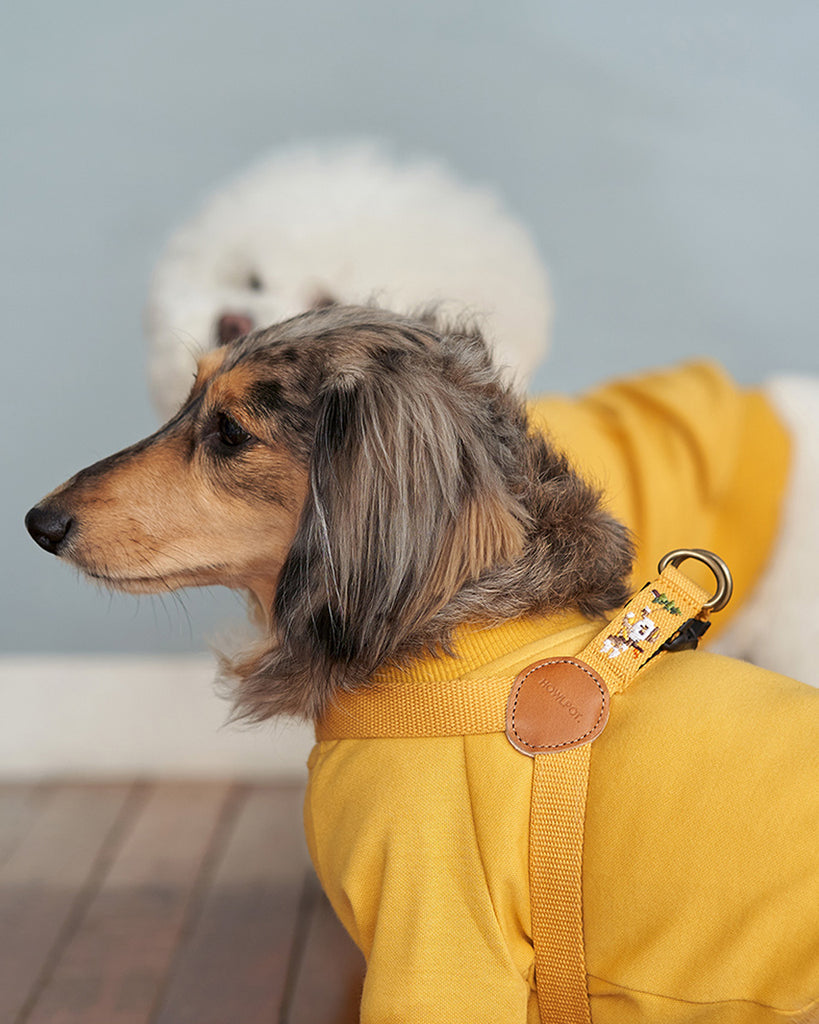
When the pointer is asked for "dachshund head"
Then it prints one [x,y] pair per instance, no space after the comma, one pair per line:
[368,478]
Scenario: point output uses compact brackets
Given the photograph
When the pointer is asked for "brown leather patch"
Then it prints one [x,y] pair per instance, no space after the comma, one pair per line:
[556,704]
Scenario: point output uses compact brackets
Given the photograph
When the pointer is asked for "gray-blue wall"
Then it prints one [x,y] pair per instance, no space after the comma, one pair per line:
[665,156]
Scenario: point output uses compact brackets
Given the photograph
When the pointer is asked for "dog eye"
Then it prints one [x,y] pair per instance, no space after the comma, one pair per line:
[230,432]
[254,282]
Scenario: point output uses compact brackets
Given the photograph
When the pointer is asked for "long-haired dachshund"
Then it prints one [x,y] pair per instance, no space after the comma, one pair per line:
[374,485]
[368,479]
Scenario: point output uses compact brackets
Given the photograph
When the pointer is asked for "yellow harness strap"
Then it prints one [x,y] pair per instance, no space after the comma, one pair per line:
[555,709]
[560,784]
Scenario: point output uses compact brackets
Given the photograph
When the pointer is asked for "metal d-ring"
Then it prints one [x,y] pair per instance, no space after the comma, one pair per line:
[725,582]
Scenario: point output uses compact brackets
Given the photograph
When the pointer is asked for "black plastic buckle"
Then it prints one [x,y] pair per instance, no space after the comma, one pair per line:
[687,636]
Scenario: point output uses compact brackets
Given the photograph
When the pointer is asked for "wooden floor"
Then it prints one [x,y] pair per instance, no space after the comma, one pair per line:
[167,903]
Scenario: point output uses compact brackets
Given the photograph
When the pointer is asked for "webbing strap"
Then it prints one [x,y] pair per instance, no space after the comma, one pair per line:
[636,634]
[418,709]
[559,788]
[556,825]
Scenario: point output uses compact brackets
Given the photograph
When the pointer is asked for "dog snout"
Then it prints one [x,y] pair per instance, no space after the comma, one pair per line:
[231,326]
[50,526]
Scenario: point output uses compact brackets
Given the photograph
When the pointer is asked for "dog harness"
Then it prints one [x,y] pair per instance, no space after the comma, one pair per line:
[556,709]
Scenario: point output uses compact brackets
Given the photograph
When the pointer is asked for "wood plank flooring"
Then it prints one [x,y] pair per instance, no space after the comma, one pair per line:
[166,903]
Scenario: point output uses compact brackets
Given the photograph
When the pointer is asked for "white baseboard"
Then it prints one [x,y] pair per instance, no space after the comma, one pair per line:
[73,716]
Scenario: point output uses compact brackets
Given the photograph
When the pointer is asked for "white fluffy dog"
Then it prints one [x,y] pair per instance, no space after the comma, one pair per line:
[345,223]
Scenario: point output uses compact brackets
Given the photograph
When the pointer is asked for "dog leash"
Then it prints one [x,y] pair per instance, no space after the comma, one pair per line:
[557,707]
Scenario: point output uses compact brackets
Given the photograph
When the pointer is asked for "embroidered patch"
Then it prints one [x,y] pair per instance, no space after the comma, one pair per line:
[554,705]
[636,632]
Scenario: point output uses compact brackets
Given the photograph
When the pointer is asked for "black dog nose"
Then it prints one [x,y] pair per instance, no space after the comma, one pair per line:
[49,525]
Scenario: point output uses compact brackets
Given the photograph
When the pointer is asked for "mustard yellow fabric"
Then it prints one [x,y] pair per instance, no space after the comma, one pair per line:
[685,458]
[701,857]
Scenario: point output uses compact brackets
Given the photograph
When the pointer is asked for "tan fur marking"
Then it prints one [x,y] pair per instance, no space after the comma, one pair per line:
[207,366]
[228,389]
[487,534]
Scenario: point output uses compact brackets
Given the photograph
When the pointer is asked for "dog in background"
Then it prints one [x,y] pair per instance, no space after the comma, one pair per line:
[342,223]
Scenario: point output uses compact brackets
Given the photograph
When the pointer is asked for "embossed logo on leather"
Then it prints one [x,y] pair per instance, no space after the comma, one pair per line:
[556,704]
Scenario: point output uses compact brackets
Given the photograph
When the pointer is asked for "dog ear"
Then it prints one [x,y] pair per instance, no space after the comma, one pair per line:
[406,504]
